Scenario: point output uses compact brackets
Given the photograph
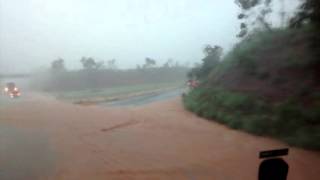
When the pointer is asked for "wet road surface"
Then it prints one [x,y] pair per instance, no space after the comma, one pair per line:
[24,154]
[42,138]
[146,99]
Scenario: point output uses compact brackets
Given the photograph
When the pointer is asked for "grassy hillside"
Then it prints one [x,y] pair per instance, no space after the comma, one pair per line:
[269,84]
[94,96]
[83,80]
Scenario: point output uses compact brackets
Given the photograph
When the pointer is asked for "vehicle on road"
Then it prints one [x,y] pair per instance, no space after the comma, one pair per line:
[191,83]
[12,90]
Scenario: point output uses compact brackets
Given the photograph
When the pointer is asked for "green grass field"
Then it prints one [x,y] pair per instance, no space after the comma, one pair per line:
[115,92]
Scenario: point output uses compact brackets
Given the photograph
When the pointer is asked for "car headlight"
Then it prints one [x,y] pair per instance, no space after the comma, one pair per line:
[6,89]
[15,89]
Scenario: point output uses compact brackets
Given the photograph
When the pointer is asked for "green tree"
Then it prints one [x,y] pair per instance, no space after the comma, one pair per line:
[210,61]
[58,65]
[259,19]
[91,64]
[149,63]
[212,58]
[309,12]
[88,63]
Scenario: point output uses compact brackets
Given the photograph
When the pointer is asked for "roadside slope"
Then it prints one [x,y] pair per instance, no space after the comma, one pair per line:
[267,85]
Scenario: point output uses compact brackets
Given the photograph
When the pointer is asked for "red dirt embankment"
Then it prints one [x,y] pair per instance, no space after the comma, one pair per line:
[158,141]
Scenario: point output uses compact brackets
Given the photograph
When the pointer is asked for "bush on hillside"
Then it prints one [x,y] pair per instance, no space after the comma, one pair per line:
[288,121]
[266,85]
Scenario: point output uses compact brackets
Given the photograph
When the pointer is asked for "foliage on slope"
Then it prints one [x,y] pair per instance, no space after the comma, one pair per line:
[269,84]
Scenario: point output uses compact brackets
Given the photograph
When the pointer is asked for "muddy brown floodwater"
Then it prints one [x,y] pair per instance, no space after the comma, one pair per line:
[58,141]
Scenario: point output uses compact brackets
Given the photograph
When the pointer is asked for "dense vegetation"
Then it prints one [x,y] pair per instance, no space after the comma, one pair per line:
[268,84]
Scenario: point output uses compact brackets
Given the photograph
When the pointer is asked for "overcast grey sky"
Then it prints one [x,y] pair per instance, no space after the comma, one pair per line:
[35,32]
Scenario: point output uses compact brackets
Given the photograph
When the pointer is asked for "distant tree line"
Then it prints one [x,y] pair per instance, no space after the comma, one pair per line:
[89,63]
[104,74]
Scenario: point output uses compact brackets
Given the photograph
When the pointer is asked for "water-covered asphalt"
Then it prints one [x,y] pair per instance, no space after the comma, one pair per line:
[146,99]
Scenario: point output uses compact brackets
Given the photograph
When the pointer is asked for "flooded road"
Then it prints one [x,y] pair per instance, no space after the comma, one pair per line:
[24,154]
[42,138]
[5,100]
[146,99]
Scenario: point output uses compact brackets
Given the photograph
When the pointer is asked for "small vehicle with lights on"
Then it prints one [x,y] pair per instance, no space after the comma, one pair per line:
[12,90]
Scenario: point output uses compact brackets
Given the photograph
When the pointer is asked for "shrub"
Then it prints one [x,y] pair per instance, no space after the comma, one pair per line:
[288,120]
[285,58]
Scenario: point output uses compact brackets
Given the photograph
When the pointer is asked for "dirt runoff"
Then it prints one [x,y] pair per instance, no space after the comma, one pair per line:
[157,141]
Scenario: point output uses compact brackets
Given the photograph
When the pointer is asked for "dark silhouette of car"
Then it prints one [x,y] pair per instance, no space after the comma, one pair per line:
[12,90]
